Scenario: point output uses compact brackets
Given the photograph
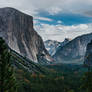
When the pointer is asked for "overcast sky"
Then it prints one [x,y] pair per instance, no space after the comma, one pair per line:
[56,19]
[33,6]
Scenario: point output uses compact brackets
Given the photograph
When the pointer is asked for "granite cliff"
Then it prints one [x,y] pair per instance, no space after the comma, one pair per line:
[74,51]
[88,55]
[17,30]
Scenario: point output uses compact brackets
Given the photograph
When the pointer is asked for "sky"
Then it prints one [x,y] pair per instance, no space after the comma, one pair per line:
[56,19]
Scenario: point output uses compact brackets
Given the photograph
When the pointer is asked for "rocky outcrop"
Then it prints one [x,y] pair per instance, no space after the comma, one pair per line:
[74,51]
[52,46]
[17,29]
[88,55]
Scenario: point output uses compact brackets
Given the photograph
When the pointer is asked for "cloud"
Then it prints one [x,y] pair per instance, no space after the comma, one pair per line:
[53,6]
[54,10]
[43,19]
[59,22]
[88,13]
[60,32]
[23,5]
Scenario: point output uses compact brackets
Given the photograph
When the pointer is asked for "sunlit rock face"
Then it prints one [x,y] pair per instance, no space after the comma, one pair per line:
[74,51]
[17,29]
[51,46]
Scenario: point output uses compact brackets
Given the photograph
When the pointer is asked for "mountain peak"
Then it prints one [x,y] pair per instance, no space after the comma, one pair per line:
[67,39]
[12,11]
[51,46]
[7,8]
[17,30]
[74,51]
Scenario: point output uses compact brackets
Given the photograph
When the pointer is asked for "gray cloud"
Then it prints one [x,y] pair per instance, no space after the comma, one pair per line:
[31,6]
[59,32]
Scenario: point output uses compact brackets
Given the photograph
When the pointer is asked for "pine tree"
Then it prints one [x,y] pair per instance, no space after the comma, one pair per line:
[87,78]
[7,79]
[87,82]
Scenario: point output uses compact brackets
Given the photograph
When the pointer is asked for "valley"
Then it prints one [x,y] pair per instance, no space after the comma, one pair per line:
[42,66]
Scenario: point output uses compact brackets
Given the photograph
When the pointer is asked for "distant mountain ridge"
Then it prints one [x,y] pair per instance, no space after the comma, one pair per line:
[52,46]
[17,30]
[74,51]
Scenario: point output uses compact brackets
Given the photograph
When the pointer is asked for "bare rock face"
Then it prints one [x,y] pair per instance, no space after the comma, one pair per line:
[74,51]
[52,46]
[88,55]
[17,29]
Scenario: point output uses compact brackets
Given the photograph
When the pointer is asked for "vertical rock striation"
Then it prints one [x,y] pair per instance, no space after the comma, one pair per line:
[17,29]
[88,55]
[74,51]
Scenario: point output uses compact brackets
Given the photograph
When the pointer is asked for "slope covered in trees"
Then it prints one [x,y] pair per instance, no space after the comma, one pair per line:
[7,79]
[31,77]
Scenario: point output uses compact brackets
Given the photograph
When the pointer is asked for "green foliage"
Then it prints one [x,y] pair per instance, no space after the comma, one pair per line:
[53,78]
[58,78]
[87,82]
[64,79]
[7,79]
[61,79]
